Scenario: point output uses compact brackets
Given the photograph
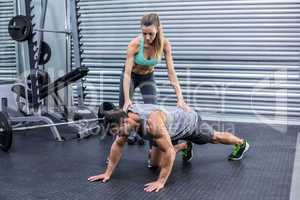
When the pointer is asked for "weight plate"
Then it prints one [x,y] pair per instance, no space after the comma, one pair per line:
[6,136]
[45,53]
[42,76]
[20,28]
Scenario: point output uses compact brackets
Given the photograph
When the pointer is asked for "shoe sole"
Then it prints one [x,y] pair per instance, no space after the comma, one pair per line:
[240,158]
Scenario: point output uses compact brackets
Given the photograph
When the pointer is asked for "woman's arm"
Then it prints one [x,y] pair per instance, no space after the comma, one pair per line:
[171,71]
[131,50]
[173,77]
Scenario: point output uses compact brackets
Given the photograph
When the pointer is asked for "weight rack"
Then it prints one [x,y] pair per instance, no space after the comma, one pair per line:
[34,52]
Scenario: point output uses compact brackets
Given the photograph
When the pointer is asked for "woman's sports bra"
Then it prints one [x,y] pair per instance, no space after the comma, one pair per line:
[140,59]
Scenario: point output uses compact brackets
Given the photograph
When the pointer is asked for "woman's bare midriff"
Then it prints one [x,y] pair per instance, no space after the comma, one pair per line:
[142,70]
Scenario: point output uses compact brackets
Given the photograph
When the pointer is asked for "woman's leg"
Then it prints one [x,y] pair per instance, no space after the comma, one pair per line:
[121,89]
[133,84]
[148,89]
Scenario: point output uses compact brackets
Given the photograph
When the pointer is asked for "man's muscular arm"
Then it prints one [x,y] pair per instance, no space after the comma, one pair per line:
[115,154]
[114,158]
[158,130]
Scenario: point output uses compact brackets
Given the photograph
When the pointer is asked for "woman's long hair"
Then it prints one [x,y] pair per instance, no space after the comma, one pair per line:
[158,43]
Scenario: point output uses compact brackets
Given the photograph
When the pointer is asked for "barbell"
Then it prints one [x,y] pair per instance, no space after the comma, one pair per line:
[107,113]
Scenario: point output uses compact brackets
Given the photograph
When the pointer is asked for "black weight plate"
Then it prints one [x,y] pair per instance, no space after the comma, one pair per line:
[45,53]
[20,28]
[6,136]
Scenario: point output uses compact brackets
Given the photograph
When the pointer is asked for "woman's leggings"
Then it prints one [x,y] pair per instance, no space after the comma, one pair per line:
[147,86]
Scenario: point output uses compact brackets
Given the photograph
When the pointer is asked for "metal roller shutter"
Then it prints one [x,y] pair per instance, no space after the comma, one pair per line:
[7,46]
[231,56]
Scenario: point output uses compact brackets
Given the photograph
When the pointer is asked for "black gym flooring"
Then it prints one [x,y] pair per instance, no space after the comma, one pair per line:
[39,168]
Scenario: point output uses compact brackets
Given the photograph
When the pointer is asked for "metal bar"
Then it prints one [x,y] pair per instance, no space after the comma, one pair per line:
[41,26]
[76,47]
[46,120]
[56,124]
[68,90]
[4,104]
[52,31]
[33,67]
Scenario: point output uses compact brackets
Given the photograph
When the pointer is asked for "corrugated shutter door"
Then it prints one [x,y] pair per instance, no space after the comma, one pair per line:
[7,46]
[238,57]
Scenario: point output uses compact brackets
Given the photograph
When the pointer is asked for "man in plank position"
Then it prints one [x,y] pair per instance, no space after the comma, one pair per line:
[164,126]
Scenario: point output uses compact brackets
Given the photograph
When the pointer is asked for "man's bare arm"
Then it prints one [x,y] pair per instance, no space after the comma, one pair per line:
[168,156]
[115,155]
[114,158]
[158,130]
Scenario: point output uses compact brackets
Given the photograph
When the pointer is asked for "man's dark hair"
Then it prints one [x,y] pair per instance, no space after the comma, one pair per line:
[115,116]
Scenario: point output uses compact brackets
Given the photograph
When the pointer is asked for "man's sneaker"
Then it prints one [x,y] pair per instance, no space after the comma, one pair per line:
[238,151]
[187,154]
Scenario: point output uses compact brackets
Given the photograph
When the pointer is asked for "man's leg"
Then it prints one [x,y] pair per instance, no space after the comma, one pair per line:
[186,150]
[155,154]
[204,133]
[180,147]
[226,138]
[240,145]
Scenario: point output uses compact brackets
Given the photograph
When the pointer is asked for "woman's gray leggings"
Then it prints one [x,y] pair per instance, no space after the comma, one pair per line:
[147,86]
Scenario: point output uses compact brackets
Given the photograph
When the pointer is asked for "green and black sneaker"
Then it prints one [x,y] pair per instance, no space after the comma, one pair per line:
[238,151]
[187,154]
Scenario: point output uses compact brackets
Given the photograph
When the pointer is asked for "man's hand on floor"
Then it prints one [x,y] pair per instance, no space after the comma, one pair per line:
[101,177]
[153,186]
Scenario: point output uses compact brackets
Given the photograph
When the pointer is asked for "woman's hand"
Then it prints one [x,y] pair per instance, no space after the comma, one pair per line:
[101,177]
[181,103]
[127,105]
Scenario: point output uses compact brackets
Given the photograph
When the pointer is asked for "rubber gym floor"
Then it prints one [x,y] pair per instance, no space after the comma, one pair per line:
[37,167]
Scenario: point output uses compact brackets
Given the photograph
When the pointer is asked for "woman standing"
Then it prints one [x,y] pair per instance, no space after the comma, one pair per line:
[143,53]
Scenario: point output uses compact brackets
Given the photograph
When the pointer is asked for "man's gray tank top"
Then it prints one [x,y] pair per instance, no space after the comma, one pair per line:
[179,122]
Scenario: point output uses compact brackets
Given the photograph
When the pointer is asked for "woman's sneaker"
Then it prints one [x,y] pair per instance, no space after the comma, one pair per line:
[131,140]
[187,154]
[238,151]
